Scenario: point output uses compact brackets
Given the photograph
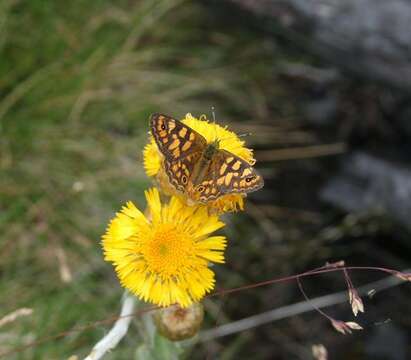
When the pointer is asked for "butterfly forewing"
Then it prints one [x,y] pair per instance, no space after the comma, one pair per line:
[181,146]
[174,139]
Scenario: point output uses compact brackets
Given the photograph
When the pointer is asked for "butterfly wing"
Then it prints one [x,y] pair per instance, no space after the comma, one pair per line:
[179,172]
[181,146]
[228,174]
[174,139]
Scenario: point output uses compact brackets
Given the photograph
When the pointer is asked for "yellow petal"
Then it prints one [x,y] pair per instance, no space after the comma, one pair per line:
[154,204]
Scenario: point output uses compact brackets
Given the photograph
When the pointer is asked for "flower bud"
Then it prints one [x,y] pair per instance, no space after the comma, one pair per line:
[176,323]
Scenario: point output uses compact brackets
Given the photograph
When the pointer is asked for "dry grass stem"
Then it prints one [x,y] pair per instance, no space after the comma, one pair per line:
[295,309]
[9,318]
[65,272]
[301,153]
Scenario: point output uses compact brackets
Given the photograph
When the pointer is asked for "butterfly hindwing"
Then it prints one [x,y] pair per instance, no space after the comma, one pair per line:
[179,172]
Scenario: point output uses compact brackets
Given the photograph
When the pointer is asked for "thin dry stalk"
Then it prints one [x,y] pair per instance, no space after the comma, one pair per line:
[301,152]
[9,318]
[295,309]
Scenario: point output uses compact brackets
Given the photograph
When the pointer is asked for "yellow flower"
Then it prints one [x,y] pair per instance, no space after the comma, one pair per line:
[164,257]
[152,159]
[228,141]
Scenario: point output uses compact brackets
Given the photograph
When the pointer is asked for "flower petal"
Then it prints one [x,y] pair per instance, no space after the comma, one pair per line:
[154,204]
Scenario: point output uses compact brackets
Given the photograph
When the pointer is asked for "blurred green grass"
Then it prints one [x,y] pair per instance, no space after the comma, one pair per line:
[78,81]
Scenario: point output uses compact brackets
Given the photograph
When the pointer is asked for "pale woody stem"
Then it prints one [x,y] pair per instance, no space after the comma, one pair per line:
[117,332]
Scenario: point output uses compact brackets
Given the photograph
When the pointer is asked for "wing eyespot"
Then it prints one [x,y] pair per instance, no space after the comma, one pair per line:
[200,188]
[184,179]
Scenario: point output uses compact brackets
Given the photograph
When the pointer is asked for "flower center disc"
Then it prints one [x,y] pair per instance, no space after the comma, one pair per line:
[168,251]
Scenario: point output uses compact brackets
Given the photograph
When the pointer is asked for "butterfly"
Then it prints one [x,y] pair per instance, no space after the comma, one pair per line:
[200,170]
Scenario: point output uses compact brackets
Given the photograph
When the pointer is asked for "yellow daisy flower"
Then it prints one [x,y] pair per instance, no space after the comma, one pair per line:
[152,160]
[228,141]
[164,257]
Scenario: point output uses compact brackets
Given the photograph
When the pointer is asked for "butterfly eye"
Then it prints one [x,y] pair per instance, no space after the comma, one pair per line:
[200,188]
[184,179]
[249,179]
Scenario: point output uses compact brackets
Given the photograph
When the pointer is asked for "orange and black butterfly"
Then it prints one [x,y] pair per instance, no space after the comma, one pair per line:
[200,170]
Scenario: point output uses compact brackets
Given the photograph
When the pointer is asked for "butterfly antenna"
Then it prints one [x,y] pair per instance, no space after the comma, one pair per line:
[213,113]
[214,122]
[245,134]
[239,136]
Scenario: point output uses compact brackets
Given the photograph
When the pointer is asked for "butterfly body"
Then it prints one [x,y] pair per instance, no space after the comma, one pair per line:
[202,171]
[204,162]
[211,150]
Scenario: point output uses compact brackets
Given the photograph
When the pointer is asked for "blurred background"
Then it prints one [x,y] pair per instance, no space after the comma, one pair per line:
[324,88]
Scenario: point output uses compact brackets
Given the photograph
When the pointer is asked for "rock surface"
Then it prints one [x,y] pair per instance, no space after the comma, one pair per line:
[370,38]
[366,183]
